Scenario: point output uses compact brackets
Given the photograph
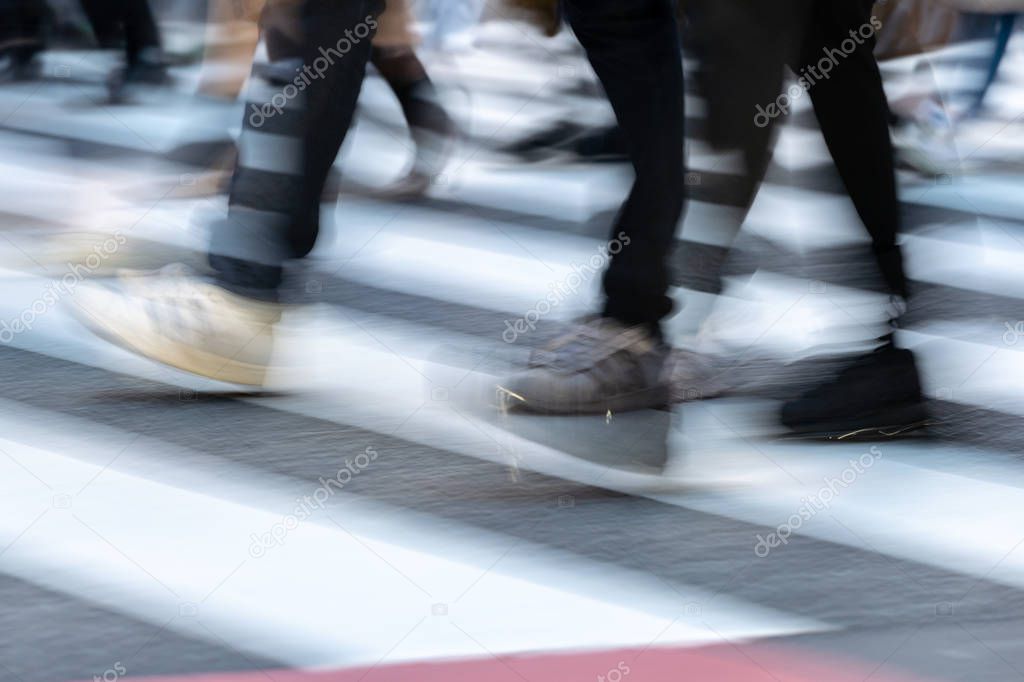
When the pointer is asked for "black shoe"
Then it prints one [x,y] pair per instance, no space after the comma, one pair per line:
[571,143]
[546,142]
[602,145]
[125,83]
[876,396]
[19,66]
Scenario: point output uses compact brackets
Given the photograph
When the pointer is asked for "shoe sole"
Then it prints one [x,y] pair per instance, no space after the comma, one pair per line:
[186,358]
[646,399]
[890,424]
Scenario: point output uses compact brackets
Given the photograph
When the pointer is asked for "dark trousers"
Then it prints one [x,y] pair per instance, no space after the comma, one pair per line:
[130,20]
[1004,32]
[634,48]
[23,26]
[853,115]
[290,138]
[850,104]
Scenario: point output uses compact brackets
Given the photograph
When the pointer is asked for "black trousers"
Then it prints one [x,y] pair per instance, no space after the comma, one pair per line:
[130,20]
[747,44]
[23,26]
[291,136]
[744,76]
[634,48]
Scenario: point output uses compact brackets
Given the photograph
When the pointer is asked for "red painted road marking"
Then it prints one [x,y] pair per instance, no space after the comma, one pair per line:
[741,663]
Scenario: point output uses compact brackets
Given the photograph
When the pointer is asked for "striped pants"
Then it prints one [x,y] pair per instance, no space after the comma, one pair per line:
[291,134]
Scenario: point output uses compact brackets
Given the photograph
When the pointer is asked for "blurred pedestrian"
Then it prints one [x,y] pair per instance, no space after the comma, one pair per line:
[431,128]
[616,360]
[130,23]
[116,24]
[926,126]
[1004,27]
[449,20]
[223,327]
[23,28]
[394,56]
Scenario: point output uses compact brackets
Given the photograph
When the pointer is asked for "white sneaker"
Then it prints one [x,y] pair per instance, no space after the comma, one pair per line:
[928,142]
[185,322]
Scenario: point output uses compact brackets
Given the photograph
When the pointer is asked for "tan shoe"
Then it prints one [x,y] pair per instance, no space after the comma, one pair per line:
[184,322]
[95,254]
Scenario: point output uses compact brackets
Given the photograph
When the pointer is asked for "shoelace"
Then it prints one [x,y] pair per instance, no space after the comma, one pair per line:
[588,344]
[176,306]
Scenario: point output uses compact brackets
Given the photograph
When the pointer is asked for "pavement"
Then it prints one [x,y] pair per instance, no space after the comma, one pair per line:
[377,517]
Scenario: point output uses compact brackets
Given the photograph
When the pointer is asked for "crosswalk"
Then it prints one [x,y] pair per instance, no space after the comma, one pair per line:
[379,513]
